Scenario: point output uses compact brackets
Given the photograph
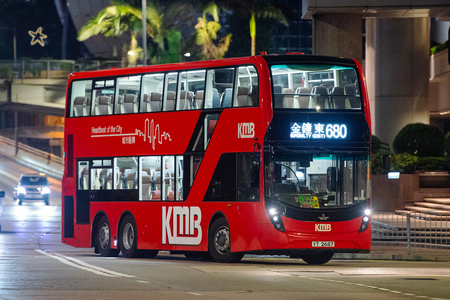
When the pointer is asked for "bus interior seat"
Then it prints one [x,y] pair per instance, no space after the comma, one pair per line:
[226,97]
[278,97]
[84,179]
[243,99]
[155,101]
[170,101]
[254,94]
[350,91]
[103,105]
[119,105]
[156,194]
[338,97]
[87,107]
[146,171]
[185,100]
[145,103]
[320,94]
[303,101]
[169,180]
[198,99]
[129,104]
[109,178]
[146,184]
[79,104]
[215,99]
[288,100]
[129,178]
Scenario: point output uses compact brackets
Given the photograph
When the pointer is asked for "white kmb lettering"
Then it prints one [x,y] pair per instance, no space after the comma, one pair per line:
[323,227]
[246,130]
[185,235]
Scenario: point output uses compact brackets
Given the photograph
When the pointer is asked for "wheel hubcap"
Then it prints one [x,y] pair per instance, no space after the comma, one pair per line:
[103,236]
[128,236]
[222,240]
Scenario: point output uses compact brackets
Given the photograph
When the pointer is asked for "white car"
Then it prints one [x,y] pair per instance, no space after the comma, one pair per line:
[32,187]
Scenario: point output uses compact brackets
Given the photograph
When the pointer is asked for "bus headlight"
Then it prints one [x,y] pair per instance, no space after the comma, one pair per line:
[275,218]
[21,190]
[365,220]
[45,190]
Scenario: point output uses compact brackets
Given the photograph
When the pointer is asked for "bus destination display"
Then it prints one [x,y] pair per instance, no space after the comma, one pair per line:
[317,130]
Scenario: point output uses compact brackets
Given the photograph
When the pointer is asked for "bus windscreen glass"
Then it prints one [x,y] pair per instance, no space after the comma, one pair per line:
[318,87]
[318,181]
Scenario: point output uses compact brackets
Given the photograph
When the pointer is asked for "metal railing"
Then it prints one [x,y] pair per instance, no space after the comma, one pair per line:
[47,162]
[418,231]
[49,69]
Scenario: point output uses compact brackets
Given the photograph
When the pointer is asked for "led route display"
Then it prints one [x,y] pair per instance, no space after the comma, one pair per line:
[317,130]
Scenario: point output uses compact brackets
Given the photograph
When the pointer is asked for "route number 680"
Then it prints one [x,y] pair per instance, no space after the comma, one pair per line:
[336,131]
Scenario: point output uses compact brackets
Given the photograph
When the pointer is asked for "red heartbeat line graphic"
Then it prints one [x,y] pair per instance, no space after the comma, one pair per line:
[151,132]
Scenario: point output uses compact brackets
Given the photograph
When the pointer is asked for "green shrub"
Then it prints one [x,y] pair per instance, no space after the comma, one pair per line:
[404,163]
[433,164]
[439,47]
[376,163]
[420,140]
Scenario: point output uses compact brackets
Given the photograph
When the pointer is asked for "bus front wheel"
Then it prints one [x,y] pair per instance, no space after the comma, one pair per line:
[103,238]
[319,258]
[219,243]
[128,237]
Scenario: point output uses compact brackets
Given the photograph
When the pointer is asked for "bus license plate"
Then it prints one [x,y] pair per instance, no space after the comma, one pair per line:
[323,244]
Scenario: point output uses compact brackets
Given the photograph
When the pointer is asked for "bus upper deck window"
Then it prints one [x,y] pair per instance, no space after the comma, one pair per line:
[80,99]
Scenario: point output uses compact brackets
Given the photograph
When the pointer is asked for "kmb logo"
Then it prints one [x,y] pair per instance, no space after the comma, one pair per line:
[185,225]
[323,227]
[246,130]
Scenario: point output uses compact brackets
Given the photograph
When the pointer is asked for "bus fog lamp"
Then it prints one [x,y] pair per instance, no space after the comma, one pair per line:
[365,220]
[275,218]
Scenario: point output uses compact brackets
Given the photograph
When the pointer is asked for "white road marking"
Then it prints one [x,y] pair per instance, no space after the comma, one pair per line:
[73,262]
[371,287]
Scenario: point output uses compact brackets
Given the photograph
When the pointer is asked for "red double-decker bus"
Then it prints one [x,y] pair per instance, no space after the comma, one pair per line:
[264,155]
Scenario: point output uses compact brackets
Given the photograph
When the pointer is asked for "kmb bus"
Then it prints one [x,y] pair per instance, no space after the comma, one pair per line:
[264,155]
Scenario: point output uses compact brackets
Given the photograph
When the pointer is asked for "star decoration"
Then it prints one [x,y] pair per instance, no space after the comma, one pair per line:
[38,37]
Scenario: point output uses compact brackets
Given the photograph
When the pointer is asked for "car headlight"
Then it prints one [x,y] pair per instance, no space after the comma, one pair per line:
[45,190]
[21,190]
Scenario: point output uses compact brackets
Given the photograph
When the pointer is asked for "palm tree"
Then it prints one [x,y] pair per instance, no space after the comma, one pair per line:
[122,17]
[256,9]
[115,20]
[206,34]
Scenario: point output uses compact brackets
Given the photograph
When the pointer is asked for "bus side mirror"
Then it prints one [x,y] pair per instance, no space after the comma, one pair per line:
[331,179]
[387,162]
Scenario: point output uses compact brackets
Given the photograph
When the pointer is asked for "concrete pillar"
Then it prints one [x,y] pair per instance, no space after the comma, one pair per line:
[402,72]
[338,35]
[369,68]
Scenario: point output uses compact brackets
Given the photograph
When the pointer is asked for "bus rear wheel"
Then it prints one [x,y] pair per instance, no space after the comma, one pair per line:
[219,243]
[128,237]
[319,258]
[103,238]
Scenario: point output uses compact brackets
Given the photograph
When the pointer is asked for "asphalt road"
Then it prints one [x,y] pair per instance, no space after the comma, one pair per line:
[34,264]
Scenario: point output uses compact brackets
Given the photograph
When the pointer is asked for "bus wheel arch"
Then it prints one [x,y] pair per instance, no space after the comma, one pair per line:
[102,237]
[219,240]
